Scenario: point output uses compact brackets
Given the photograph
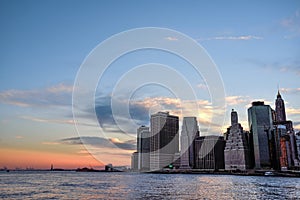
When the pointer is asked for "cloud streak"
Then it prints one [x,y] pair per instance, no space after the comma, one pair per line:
[237,100]
[290,90]
[100,142]
[170,38]
[58,95]
[292,25]
[241,37]
[291,66]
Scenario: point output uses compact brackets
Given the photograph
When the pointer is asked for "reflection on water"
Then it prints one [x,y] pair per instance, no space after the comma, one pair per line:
[72,185]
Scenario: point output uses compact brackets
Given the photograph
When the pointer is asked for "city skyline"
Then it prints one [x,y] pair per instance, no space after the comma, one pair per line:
[271,144]
[41,53]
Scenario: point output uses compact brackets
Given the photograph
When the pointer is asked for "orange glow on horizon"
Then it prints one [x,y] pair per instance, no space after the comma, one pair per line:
[12,158]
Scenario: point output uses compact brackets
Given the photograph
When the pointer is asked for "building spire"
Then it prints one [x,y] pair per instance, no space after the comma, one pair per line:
[234,117]
[280,108]
[278,93]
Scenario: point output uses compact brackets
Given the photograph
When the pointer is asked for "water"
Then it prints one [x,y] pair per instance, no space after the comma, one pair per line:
[90,185]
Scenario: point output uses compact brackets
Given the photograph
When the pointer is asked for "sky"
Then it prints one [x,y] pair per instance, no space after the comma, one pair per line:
[255,46]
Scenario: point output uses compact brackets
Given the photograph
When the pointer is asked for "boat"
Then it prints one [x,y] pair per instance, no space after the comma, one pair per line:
[269,173]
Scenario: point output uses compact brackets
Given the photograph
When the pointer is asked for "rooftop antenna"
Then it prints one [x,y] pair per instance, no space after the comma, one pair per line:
[278,93]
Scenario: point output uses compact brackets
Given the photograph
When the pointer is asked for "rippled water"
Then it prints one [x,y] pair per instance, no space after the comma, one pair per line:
[89,185]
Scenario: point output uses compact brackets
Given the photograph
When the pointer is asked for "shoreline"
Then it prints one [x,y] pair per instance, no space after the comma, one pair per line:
[291,174]
[295,174]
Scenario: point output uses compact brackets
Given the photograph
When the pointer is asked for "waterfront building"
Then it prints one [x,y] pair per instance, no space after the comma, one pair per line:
[189,132]
[134,161]
[284,149]
[143,148]
[297,137]
[285,134]
[164,140]
[260,124]
[236,153]
[209,152]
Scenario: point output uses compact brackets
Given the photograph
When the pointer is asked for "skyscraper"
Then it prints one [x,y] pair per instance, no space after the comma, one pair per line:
[285,135]
[280,108]
[209,152]
[189,132]
[134,161]
[236,153]
[260,125]
[164,140]
[143,148]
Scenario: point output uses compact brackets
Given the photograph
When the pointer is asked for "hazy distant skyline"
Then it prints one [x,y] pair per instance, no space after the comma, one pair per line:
[255,46]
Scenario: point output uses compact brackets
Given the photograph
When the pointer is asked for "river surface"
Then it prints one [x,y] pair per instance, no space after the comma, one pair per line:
[93,185]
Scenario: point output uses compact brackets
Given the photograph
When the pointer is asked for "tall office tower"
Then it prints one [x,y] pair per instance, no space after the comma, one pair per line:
[164,140]
[236,153]
[134,161]
[284,148]
[260,125]
[280,109]
[189,132]
[289,135]
[209,152]
[143,148]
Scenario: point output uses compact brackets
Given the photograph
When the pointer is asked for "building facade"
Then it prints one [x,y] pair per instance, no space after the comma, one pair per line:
[260,124]
[143,148]
[134,161]
[236,153]
[209,152]
[287,150]
[189,132]
[297,137]
[164,140]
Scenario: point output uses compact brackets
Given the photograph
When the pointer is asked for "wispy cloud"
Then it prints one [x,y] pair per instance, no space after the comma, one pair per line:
[292,24]
[51,143]
[241,37]
[170,38]
[237,100]
[100,142]
[56,121]
[141,109]
[58,95]
[283,66]
[202,86]
[292,111]
[60,88]
[290,90]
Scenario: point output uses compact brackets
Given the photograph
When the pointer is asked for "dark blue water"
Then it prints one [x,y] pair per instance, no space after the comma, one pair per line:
[89,185]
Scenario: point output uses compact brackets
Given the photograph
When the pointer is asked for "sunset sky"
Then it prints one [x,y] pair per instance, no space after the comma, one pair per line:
[255,46]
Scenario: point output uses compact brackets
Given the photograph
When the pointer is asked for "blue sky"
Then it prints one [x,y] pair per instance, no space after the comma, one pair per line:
[255,46]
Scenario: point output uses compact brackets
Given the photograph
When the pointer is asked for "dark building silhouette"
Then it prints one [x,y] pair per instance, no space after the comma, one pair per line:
[209,152]
[260,124]
[143,148]
[279,109]
[164,140]
[285,143]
